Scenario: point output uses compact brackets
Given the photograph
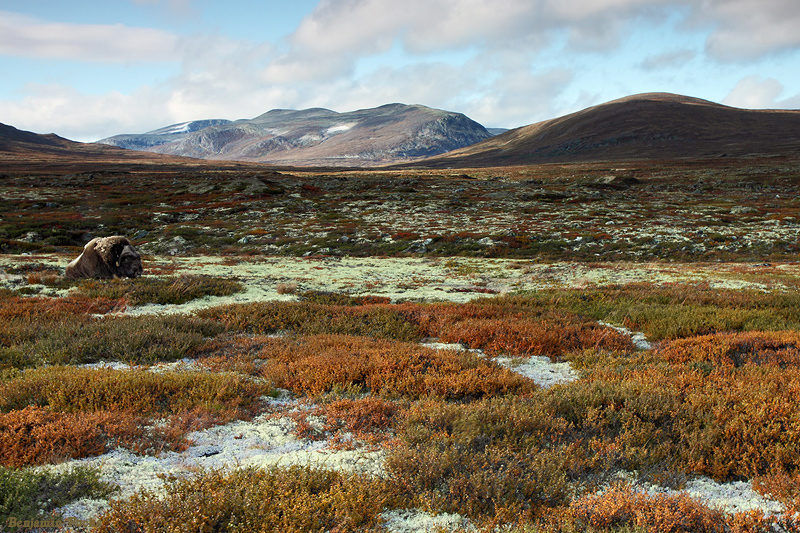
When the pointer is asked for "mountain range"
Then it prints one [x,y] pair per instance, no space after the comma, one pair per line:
[656,126]
[316,137]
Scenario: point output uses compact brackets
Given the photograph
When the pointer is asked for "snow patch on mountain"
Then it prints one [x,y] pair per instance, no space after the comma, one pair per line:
[333,130]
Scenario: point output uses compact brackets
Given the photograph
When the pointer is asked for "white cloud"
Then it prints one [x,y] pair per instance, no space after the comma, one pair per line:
[676,58]
[738,29]
[181,7]
[68,113]
[531,98]
[515,60]
[370,26]
[753,92]
[24,36]
[498,89]
[746,30]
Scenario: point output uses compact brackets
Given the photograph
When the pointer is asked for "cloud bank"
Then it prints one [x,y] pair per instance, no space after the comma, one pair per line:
[24,36]
[502,62]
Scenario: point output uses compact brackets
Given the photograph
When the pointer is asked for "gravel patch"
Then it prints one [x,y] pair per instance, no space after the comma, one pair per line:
[416,521]
[733,497]
[540,369]
[638,338]
[265,441]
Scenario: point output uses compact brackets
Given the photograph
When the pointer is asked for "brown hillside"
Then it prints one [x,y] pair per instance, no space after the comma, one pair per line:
[645,126]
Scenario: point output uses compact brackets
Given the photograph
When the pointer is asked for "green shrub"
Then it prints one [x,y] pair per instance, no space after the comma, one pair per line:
[304,318]
[71,389]
[29,494]
[174,290]
[673,311]
[134,340]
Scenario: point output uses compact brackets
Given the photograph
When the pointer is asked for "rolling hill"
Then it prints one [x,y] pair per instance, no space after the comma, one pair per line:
[644,126]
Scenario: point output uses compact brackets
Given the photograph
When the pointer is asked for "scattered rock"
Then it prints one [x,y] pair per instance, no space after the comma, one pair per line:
[614,182]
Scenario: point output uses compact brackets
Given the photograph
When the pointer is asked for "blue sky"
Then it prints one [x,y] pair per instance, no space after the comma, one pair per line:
[90,69]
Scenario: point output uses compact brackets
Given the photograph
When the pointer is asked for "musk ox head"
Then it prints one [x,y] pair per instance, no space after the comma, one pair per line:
[129,264]
[106,257]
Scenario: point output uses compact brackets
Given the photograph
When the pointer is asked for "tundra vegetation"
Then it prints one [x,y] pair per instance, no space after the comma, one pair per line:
[715,395]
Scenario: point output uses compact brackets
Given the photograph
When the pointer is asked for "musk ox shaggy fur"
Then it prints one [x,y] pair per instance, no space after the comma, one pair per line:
[106,257]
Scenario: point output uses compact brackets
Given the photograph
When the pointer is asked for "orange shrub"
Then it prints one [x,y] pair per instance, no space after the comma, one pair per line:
[716,419]
[367,414]
[35,435]
[504,327]
[23,319]
[308,318]
[525,337]
[322,363]
[781,348]
[41,307]
[238,353]
[367,420]
[621,506]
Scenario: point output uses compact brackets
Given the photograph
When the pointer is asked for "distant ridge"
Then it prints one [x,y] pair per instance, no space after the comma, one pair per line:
[387,134]
[23,151]
[655,126]
[11,138]
[643,126]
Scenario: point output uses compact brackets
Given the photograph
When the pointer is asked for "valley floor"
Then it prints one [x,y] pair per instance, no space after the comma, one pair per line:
[452,279]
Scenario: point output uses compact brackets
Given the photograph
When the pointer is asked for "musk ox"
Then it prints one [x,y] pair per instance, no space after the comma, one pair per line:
[106,257]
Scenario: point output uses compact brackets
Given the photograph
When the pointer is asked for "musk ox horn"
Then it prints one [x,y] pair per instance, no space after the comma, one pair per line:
[106,257]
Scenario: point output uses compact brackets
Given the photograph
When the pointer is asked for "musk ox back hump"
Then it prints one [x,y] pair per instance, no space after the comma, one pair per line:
[106,257]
